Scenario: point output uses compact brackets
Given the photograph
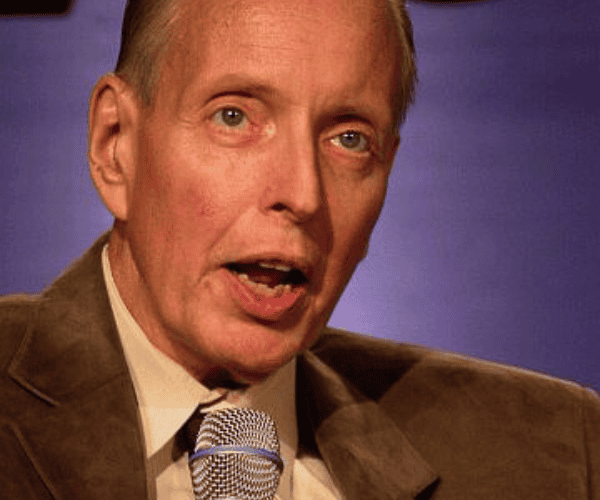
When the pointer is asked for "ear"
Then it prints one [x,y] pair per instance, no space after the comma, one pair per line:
[112,131]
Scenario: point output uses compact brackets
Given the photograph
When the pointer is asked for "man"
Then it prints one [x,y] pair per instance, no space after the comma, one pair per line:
[243,147]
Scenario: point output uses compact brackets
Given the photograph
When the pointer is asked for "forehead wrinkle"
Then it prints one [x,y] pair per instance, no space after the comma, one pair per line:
[265,29]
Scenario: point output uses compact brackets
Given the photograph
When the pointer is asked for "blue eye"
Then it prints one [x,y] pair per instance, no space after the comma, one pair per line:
[352,141]
[231,117]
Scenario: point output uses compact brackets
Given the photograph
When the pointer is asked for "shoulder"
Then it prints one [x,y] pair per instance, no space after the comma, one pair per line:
[464,414]
[79,287]
[360,357]
[17,314]
[410,381]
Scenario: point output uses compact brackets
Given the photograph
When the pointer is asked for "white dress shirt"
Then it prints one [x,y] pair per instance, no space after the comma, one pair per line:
[167,396]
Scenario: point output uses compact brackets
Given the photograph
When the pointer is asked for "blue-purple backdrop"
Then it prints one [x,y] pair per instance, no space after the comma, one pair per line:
[489,241]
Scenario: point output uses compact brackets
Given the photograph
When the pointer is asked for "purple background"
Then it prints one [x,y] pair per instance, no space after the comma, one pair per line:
[489,240]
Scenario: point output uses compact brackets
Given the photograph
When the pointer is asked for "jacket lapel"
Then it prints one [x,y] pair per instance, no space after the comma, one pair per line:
[367,454]
[85,441]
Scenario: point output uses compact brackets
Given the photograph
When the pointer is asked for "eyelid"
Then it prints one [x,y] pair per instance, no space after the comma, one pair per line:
[255,127]
[252,107]
[352,124]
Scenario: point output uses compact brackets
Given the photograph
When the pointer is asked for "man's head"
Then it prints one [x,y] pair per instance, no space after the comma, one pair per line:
[246,185]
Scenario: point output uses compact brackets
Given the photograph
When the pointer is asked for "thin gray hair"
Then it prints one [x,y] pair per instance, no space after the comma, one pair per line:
[148,28]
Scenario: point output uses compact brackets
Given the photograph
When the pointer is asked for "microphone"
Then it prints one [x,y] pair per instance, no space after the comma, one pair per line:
[236,456]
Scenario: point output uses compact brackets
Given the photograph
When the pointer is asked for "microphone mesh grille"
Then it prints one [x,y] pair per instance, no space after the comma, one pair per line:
[234,475]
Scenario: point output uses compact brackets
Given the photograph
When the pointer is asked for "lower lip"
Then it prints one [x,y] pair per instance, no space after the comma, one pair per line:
[261,306]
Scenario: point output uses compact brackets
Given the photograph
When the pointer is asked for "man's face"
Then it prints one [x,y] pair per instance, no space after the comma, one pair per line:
[261,169]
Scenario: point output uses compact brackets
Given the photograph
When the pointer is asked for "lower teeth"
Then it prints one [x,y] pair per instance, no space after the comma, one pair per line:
[263,289]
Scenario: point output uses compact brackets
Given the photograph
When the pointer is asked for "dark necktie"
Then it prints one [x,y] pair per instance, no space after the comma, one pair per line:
[234,454]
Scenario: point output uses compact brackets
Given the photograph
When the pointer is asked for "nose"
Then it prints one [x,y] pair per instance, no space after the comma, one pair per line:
[294,186]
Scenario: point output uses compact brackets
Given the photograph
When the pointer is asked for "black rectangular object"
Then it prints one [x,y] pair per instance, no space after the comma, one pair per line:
[33,7]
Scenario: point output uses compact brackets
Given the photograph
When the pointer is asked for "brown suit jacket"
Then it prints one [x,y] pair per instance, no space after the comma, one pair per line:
[391,421]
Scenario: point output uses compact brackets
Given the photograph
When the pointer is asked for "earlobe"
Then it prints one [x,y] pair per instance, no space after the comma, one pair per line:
[111,142]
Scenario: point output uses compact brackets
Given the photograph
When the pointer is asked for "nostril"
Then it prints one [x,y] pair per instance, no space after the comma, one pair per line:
[279,207]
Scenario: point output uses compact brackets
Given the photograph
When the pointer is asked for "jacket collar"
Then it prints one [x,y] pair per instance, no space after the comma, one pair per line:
[71,359]
[367,454]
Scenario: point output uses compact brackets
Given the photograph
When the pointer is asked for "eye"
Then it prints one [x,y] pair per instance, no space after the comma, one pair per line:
[352,141]
[230,117]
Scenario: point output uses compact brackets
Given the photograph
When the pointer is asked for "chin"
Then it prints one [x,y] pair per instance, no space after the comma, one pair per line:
[259,367]
[259,370]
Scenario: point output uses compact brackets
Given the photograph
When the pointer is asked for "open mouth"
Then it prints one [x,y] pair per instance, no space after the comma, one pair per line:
[272,279]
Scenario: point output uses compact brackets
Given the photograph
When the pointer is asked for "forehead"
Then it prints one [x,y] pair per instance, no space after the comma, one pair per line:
[340,49]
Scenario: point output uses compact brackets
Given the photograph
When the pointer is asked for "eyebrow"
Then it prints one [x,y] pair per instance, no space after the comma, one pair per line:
[342,114]
[244,85]
[345,113]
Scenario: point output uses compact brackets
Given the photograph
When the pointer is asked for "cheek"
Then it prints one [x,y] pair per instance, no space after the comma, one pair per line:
[177,189]
[168,205]
[354,213]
